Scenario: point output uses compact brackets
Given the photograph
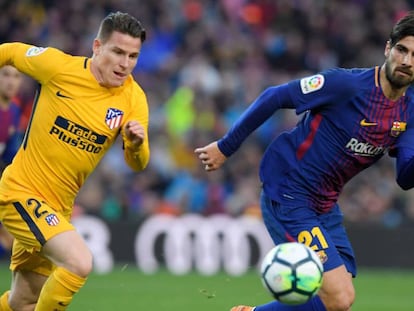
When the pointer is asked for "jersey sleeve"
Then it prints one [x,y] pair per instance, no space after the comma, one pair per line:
[325,88]
[139,158]
[405,158]
[37,62]
[265,105]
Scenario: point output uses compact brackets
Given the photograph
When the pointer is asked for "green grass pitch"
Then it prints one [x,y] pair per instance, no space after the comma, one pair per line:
[127,289]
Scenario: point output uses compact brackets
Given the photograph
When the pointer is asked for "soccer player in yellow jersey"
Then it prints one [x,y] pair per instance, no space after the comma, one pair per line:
[82,105]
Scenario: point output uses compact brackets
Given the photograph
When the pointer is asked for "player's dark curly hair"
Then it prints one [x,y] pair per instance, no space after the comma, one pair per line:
[123,23]
[403,28]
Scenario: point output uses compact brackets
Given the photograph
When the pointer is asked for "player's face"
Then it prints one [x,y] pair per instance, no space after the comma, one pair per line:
[115,59]
[399,62]
[10,80]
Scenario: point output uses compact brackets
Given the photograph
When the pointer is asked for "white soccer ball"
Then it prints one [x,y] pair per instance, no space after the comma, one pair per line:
[292,273]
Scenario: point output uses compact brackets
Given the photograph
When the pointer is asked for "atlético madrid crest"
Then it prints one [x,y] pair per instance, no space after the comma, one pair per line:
[113,118]
[52,220]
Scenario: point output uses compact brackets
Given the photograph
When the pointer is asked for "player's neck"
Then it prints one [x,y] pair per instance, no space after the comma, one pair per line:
[4,103]
[96,73]
[390,91]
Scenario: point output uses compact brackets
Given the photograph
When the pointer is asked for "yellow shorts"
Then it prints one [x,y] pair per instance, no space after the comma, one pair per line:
[32,222]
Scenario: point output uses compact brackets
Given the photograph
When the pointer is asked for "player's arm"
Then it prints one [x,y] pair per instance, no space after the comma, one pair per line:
[135,132]
[10,51]
[136,147]
[405,158]
[6,239]
[37,62]
[268,102]
[308,93]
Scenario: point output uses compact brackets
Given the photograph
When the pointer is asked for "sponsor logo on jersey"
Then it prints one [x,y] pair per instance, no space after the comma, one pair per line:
[364,122]
[77,135]
[34,51]
[312,83]
[365,149]
[113,118]
[397,128]
[52,220]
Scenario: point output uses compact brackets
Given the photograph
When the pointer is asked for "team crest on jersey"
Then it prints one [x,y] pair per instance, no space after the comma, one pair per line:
[312,83]
[397,128]
[52,220]
[113,118]
[35,50]
[322,256]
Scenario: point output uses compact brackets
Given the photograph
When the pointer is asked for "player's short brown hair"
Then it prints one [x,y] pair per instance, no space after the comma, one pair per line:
[123,23]
[403,28]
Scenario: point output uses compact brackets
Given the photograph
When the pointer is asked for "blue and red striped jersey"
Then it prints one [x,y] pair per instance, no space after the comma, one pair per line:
[347,125]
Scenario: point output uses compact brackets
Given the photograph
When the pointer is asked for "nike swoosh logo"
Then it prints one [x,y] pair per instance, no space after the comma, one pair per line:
[59,94]
[365,123]
[63,304]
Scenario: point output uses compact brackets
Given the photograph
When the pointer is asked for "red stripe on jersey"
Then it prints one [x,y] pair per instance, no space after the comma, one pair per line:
[308,141]
[289,238]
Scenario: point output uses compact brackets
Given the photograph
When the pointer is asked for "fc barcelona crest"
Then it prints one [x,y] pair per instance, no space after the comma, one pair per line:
[113,118]
[397,128]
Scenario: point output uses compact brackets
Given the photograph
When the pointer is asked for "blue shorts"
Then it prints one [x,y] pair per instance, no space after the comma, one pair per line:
[324,233]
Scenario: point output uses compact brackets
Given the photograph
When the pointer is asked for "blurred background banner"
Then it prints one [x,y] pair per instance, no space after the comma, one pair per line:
[201,66]
[182,244]
[219,243]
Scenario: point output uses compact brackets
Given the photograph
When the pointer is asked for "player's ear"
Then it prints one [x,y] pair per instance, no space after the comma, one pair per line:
[96,46]
[387,48]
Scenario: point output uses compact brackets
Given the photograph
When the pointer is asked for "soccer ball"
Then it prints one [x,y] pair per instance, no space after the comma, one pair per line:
[292,273]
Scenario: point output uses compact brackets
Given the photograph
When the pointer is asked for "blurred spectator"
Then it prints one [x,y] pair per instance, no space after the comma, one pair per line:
[10,134]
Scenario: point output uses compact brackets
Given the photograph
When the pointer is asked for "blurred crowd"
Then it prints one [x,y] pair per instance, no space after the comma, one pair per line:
[203,63]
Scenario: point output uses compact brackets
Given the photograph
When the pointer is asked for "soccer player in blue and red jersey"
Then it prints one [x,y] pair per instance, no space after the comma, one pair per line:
[351,119]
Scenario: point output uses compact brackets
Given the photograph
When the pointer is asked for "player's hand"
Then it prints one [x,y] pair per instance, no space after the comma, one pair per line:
[135,133]
[211,156]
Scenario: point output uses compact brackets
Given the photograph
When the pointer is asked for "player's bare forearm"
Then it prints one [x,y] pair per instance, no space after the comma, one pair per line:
[136,145]
[211,156]
[6,239]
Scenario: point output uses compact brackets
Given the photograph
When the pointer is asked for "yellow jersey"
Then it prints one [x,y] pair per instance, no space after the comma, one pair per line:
[73,123]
